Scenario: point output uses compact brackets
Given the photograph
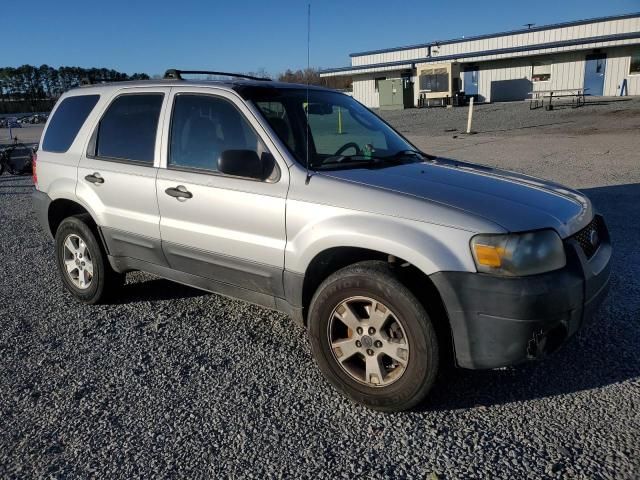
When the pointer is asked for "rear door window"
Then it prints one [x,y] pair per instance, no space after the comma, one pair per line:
[127,130]
[67,121]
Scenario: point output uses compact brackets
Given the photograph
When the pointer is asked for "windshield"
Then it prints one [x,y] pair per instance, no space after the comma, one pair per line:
[342,132]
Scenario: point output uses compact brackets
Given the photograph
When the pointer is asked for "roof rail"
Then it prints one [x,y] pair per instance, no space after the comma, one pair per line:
[173,74]
[88,81]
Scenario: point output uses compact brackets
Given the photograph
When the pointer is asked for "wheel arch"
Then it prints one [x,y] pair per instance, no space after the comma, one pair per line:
[61,208]
[418,282]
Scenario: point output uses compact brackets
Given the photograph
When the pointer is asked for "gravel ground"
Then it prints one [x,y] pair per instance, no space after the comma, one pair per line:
[510,118]
[170,381]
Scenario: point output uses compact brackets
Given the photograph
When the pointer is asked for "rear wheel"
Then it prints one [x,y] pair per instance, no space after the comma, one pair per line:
[82,262]
[372,338]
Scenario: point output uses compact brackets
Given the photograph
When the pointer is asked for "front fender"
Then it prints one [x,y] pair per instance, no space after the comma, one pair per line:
[429,247]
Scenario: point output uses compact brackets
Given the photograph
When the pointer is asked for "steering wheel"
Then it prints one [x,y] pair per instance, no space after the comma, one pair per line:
[347,146]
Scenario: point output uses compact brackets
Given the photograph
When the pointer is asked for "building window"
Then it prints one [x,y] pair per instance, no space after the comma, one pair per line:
[541,72]
[634,68]
[434,80]
[377,80]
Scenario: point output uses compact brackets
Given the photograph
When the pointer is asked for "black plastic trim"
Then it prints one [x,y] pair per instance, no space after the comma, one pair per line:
[126,244]
[293,284]
[124,264]
[40,204]
[243,273]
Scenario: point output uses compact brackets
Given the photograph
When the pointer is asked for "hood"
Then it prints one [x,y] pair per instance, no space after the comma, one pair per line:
[514,201]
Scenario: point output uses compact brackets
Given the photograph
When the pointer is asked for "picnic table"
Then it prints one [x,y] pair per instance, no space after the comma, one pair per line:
[538,97]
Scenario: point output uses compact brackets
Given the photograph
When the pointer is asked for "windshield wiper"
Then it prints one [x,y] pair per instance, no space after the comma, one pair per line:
[417,153]
[348,161]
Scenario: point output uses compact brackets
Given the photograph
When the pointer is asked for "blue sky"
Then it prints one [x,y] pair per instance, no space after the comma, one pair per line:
[150,36]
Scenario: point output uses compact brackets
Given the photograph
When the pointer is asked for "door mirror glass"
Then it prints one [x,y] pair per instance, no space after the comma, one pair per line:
[244,163]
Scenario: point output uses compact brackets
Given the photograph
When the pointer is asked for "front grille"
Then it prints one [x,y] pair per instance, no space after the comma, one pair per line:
[590,237]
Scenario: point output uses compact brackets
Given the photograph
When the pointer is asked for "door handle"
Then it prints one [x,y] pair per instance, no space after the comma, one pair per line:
[94,178]
[179,192]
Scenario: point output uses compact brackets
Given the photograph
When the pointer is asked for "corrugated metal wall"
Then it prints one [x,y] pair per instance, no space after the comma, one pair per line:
[390,56]
[587,30]
[364,91]
[617,69]
[594,29]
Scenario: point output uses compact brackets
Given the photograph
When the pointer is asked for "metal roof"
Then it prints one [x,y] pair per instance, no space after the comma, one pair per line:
[539,46]
[499,34]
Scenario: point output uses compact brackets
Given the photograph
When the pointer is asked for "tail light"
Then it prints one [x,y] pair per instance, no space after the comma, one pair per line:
[34,163]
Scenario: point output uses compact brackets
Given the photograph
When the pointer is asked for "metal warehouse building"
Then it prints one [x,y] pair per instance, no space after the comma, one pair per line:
[601,55]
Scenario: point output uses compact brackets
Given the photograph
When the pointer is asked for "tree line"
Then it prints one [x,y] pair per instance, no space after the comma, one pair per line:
[30,89]
[308,75]
[312,76]
[34,89]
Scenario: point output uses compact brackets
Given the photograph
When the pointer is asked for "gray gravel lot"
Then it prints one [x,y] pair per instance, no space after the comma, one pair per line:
[171,381]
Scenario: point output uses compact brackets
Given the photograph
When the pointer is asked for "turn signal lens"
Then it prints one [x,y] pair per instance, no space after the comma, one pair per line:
[487,255]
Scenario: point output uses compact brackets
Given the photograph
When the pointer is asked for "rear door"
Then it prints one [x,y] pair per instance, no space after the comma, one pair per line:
[231,229]
[117,173]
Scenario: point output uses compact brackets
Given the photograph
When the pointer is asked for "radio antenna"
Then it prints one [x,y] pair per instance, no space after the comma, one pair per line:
[308,73]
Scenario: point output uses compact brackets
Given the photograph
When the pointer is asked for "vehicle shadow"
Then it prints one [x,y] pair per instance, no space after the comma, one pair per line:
[603,353]
[154,289]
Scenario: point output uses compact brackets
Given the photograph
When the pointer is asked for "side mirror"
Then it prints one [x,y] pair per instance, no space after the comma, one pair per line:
[243,163]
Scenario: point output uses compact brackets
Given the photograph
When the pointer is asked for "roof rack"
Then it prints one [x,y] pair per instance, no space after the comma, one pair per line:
[87,81]
[173,74]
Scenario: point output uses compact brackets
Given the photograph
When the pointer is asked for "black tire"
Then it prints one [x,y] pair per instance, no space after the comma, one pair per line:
[105,280]
[378,281]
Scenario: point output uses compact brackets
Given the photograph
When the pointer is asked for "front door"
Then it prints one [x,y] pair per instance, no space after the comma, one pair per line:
[471,81]
[227,229]
[594,74]
[117,173]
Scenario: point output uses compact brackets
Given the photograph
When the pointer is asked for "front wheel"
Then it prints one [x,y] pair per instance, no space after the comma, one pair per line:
[372,338]
[82,262]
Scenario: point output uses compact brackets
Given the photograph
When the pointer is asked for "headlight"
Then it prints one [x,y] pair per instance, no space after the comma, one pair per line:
[518,254]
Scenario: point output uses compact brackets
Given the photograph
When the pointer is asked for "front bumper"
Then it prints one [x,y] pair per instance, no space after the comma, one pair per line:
[500,321]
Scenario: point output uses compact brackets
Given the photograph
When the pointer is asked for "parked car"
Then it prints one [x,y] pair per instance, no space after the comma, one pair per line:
[394,260]
[17,159]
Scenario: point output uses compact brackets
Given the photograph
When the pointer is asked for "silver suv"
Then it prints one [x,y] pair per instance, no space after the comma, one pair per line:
[302,200]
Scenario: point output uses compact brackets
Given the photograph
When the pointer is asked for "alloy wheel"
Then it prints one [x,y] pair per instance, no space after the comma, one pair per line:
[77,261]
[368,341]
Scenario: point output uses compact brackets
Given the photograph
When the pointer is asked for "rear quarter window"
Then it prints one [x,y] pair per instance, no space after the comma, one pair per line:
[67,121]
